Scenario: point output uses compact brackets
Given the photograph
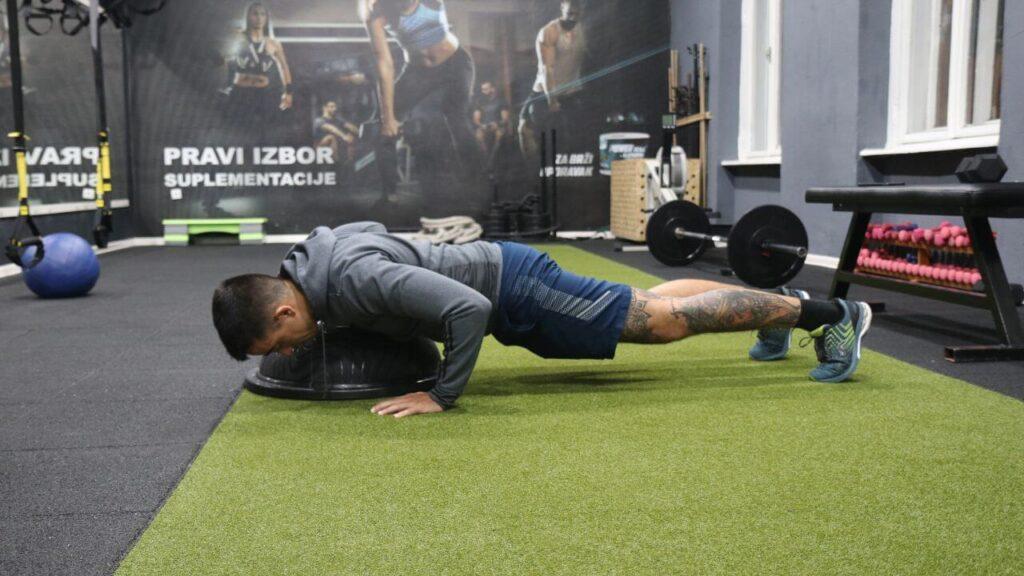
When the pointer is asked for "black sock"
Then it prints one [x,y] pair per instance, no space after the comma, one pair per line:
[817,313]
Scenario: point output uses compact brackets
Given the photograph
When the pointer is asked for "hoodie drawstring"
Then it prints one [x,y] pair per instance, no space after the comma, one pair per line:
[323,355]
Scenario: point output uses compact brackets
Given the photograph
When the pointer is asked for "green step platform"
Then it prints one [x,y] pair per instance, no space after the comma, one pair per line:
[177,232]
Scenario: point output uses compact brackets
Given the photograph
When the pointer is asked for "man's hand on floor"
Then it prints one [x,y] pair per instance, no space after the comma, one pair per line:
[407,405]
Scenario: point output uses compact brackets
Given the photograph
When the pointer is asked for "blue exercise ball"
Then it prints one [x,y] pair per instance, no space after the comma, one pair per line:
[69,267]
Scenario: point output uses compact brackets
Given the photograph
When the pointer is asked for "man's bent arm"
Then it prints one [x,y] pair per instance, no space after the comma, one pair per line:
[462,314]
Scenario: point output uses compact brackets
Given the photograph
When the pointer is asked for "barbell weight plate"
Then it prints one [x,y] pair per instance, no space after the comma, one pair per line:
[661,237]
[753,264]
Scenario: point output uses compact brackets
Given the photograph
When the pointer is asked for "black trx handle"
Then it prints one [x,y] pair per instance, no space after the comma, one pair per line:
[33,22]
[16,247]
[39,19]
[72,20]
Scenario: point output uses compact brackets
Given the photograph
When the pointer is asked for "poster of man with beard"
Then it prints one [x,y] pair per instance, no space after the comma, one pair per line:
[309,111]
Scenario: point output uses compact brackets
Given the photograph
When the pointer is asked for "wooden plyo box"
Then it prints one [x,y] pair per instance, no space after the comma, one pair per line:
[634,186]
[630,199]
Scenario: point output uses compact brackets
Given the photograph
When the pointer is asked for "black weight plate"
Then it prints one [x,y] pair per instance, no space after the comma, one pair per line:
[661,238]
[755,265]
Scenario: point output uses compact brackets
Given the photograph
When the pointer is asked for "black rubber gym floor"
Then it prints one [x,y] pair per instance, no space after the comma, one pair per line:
[105,400]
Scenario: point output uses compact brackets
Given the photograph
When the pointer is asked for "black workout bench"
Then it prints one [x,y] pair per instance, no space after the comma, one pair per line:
[975,203]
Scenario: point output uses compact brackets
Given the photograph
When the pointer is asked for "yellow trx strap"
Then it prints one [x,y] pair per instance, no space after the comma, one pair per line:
[16,245]
[103,182]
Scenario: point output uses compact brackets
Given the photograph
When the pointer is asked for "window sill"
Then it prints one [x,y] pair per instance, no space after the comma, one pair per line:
[990,141]
[756,161]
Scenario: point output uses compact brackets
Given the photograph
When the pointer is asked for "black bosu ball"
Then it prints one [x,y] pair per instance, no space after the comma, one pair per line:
[359,365]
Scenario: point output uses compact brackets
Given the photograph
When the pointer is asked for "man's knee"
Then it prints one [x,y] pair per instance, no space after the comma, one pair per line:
[650,320]
[667,328]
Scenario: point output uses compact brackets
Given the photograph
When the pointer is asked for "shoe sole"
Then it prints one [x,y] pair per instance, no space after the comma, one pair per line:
[864,324]
[803,295]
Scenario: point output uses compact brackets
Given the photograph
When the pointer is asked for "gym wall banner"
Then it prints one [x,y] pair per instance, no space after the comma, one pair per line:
[60,116]
[274,108]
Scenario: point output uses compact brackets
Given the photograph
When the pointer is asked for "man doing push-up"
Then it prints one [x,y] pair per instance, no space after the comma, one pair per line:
[360,276]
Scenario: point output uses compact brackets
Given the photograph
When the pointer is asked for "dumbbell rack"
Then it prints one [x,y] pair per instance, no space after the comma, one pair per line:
[924,258]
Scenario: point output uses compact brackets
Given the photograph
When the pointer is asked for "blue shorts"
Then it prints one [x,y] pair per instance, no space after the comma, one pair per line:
[554,313]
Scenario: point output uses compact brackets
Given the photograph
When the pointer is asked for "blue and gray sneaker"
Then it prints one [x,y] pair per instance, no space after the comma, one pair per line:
[773,343]
[838,345]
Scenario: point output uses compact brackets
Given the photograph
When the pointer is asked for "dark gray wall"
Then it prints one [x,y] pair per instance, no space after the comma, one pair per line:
[60,110]
[1011,139]
[835,78]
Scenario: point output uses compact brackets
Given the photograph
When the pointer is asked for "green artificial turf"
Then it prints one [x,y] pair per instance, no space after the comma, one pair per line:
[675,459]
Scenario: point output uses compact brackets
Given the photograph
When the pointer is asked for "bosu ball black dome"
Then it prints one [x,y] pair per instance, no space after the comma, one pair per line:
[358,365]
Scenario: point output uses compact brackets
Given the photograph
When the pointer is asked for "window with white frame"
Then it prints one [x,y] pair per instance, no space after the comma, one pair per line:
[945,72]
[759,80]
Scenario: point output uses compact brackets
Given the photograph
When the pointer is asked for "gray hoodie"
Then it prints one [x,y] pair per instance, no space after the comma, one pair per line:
[359,275]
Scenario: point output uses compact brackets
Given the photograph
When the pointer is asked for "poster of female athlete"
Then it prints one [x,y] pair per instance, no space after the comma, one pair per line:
[385,109]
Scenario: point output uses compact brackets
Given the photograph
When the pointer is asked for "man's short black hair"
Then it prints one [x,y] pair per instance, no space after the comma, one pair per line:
[242,309]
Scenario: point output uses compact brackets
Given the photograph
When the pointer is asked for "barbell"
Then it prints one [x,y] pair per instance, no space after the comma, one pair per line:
[766,247]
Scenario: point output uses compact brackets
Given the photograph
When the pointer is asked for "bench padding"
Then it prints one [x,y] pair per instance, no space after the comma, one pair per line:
[924,199]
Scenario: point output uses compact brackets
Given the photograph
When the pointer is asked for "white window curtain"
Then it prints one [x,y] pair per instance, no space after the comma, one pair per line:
[760,68]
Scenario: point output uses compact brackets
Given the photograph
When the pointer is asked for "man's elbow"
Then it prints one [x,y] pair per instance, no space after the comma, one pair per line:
[482,309]
[476,309]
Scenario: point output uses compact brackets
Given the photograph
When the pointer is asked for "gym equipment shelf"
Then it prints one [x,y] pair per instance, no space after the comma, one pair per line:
[975,203]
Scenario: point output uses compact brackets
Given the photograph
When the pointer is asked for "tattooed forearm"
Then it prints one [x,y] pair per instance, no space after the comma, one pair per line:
[638,327]
[733,311]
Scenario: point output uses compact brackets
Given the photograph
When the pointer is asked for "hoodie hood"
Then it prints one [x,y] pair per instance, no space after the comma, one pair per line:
[308,264]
